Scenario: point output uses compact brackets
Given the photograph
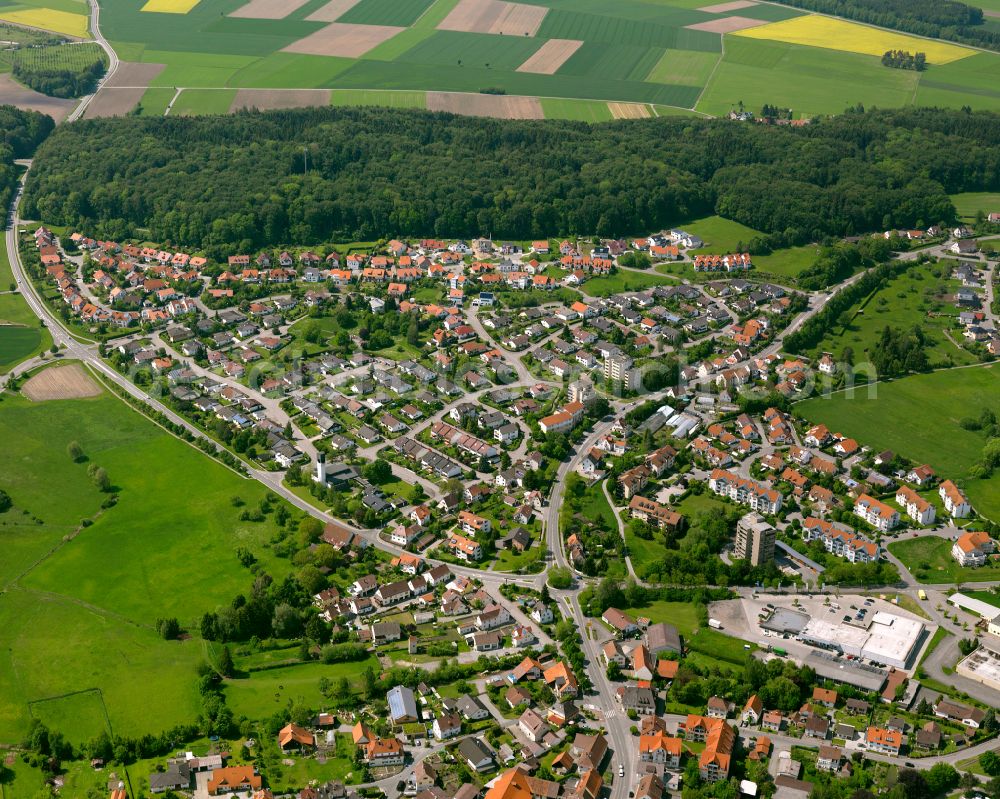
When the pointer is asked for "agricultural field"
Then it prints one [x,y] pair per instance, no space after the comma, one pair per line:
[79,582]
[20,335]
[933,405]
[615,60]
[971,203]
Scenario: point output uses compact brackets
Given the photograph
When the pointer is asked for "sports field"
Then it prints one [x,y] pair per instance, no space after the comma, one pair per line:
[918,417]
[644,57]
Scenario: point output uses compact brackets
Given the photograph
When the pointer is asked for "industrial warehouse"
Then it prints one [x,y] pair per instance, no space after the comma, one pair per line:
[883,638]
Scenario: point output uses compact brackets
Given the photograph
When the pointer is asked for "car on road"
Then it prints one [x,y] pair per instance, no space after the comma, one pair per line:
[621,770]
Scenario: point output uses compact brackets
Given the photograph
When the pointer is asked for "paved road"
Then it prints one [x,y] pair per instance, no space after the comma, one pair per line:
[113,62]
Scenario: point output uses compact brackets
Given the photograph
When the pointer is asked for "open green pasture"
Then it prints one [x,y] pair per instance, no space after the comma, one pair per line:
[918,297]
[918,417]
[972,202]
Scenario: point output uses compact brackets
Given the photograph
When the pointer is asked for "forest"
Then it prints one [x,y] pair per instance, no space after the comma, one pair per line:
[60,70]
[237,183]
[20,134]
[937,19]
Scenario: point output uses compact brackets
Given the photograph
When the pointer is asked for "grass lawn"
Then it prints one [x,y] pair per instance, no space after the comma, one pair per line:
[985,596]
[969,203]
[263,692]
[594,505]
[786,263]
[82,715]
[683,615]
[718,646]
[693,504]
[930,561]
[622,281]
[933,404]
[720,235]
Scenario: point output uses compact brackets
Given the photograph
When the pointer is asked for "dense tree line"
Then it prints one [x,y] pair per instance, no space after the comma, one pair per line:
[20,134]
[903,59]
[60,82]
[241,182]
[938,19]
[815,328]
[835,263]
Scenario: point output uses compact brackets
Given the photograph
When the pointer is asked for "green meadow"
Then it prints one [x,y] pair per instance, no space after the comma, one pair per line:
[916,297]
[918,417]
[81,587]
[971,203]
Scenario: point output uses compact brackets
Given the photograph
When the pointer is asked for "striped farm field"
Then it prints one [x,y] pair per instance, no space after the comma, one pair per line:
[386,12]
[170,6]
[50,19]
[629,110]
[387,99]
[686,67]
[831,33]
[582,110]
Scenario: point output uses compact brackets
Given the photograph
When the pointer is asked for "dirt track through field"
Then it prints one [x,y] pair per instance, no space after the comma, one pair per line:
[341,39]
[494,16]
[113,102]
[628,110]
[550,56]
[725,8]
[133,73]
[332,11]
[13,93]
[60,382]
[268,9]
[486,105]
[270,99]
[726,24]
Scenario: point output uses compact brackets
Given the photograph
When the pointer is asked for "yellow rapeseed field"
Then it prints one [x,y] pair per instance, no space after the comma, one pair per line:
[838,34]
[170,6]
[49,19]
